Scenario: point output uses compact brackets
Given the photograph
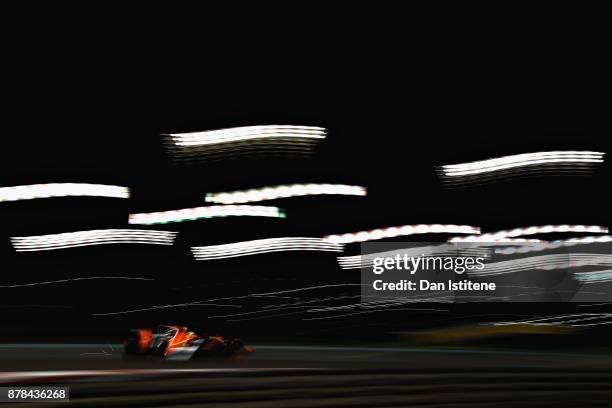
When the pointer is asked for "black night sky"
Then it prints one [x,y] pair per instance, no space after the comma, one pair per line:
[88,103]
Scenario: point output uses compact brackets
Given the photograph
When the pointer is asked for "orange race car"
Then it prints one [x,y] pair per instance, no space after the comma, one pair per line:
[179,343]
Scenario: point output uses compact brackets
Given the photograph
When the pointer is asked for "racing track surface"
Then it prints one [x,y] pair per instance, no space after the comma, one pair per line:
[315,376]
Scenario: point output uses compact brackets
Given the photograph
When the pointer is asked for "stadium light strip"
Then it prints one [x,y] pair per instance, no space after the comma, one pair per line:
[544,262]
[556,244]
[261,246]
[189,214]
[521,160]
[29,192]
[284,191]
[499,241]
[92,237]
[245,133]
[585,240]
[404,230]
[519,232]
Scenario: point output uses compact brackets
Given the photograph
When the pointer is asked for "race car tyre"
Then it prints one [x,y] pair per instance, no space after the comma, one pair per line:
[236,346]
[131,345]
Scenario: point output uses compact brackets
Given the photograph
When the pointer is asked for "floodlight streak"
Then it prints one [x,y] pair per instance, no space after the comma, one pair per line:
[189,214]
[33,191]
[555,244]
[92,237]
[519,232]
[264,246]
[240,134]
[521,160]
[284,191]
[404,230]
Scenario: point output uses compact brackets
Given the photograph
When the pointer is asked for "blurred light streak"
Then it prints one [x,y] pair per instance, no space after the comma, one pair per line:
[500,241]
[472,332]
[555,244]
[189,214]
[520,160]
[307,288]
[33,191]
[284,191]
[261,246]
[315,300]
[543,262]
[20,377]
[573,320]
[239,134]
[594,276]
[21,285]
[92,237]
[259,311]
[579,260]
[335,316]
[320,308]
[404,230]
[208,301]
[519,232]
[171,306]
[594,304]
[375,311]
